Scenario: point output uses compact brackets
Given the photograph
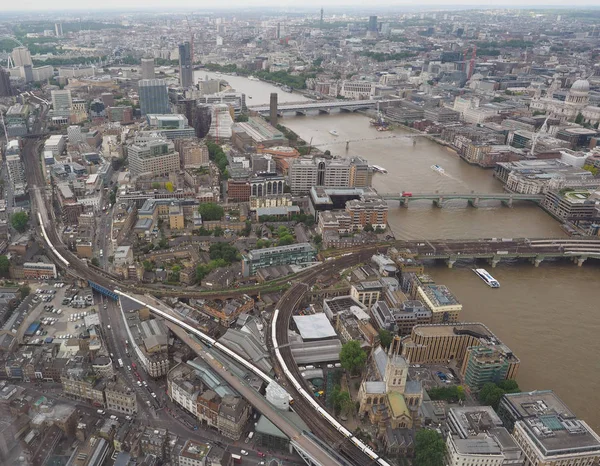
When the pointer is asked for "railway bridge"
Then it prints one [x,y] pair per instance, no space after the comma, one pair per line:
[321,107]
[473,199]
[493,250]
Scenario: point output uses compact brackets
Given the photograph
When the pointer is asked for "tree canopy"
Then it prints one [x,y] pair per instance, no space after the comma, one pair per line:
[224,251]
[211,211]
[491,393]
[352,356]
[19,221]
[430,448]
[385,338]
[4,266]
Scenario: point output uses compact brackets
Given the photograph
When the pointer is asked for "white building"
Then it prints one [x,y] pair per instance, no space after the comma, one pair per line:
[16,171]
[576,102]
[156,157]
[55,144]
[62,101]
[74,134]
[358,90]
[21,56]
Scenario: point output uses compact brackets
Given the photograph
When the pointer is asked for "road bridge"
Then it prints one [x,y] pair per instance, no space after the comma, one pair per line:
[472,198]
[321,107]
[494,250]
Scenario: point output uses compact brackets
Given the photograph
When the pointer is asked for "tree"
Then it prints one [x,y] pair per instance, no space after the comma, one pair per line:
[224,251]
[318,239]
[163,243]
[19,221]
[175,273]
[218,231]
[24,290]
[385,338]
[352,356]
[579,118]
[430,448]
[210,211]
[156,185]
[491,394]
[509,386]
[148,266]
[285,240]
[169,186]
[368,228]
[345,403]
[4,266]
[95,262]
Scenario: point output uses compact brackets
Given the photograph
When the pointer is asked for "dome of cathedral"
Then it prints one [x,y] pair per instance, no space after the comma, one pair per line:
[581,85]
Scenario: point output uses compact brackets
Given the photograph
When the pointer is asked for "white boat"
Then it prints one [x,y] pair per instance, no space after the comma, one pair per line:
[487,278]
[438,169]
[253,78]
[379,169]
[334,132]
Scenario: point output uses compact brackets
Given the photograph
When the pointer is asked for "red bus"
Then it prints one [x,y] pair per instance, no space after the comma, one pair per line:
[133,365]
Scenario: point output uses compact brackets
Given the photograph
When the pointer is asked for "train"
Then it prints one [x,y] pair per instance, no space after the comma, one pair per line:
[315,405]
[52,248]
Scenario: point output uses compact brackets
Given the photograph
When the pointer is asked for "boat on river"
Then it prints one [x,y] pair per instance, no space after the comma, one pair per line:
[487,278]
[334,132]
[438,168]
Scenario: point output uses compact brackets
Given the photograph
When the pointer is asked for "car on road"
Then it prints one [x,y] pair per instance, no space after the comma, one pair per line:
[261,454]
[139,383]
[244,452]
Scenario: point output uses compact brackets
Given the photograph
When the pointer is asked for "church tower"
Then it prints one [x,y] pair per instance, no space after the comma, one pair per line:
[396,370]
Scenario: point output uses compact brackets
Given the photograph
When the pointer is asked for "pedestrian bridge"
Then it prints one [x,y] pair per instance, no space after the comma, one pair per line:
[472,198]
[321,107]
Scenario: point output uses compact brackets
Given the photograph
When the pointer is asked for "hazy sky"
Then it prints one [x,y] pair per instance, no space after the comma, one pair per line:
[31,5]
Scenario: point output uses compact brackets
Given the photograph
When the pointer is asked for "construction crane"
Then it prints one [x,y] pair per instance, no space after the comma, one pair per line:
[191,38]
[472,62]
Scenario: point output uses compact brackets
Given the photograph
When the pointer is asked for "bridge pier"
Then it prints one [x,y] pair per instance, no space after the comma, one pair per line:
[301,112]
[474,202]
[536,261]
[438,202]
[579,260]
[450,262]
[508,202]
[403,201]
[493,261]
[327,111]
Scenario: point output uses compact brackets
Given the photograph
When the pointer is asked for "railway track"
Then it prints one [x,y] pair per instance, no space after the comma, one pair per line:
[288,303]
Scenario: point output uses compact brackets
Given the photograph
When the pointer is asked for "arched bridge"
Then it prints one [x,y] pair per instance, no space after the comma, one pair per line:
[321,107]
[472,197]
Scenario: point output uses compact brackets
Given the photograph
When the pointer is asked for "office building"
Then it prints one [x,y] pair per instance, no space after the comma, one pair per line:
[372,212]
[573,205]
[58,29]
[304,174]
[440,343]
[5,86]
[21,57]
[477,438]
[372,24]
[488,363]
[367,292]
[27,73]
[440,301]
[193,153]
[221,122]
[62,101]
[120,398]
[547,431]
[301,253]
[186,71]
[122,114]
[153,96]
[155,157]
[16,171]
[193,453]
[147,68]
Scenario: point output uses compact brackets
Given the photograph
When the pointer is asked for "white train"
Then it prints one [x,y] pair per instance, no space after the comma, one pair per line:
[308,397]
[60,257]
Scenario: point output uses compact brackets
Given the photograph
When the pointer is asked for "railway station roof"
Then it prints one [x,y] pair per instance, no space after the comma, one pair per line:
[314,327]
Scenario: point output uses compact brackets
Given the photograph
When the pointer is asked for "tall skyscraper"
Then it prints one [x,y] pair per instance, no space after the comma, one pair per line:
[28,73]
[148,68]
[273,109]
[5,87]
[154,97]
[372,23]
[21,56]
[186,72]
[58,29]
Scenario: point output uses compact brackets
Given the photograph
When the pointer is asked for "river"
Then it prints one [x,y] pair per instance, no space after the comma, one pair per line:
[546,315]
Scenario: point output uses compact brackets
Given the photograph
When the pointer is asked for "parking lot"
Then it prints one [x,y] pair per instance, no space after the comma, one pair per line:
[55,312]
[433,375]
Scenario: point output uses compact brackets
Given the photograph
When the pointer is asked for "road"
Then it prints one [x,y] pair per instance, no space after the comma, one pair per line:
[255,399]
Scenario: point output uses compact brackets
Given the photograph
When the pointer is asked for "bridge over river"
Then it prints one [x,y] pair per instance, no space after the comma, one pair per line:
[496,249]
[322,107]
[472,198]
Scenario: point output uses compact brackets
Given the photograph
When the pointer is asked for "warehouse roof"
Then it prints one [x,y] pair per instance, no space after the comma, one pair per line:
[314,327]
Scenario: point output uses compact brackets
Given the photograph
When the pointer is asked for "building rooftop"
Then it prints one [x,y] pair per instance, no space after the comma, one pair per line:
[439,295]
[195,450]
[314,327]
[550,425]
